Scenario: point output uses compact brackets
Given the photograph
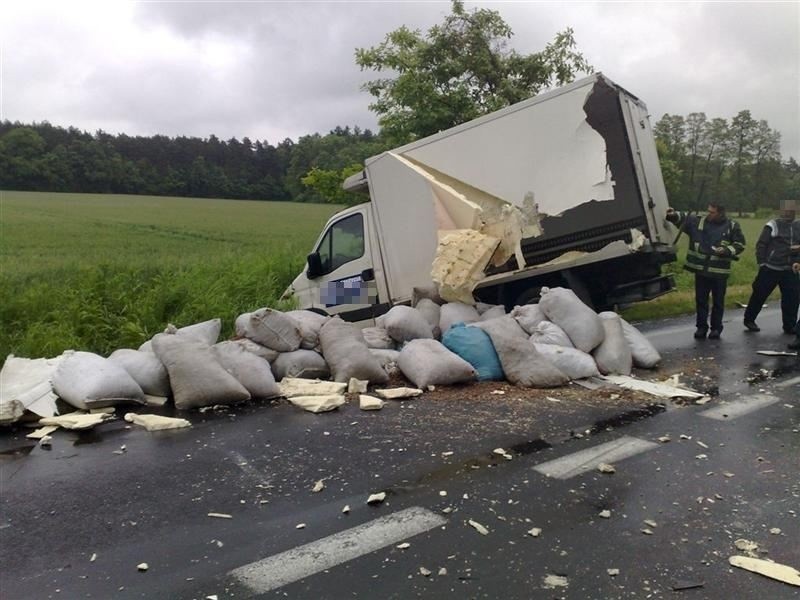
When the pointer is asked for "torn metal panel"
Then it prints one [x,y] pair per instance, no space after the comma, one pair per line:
[546,147]
[27,383]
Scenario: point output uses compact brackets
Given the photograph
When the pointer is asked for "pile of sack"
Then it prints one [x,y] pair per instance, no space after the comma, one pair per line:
[432,343]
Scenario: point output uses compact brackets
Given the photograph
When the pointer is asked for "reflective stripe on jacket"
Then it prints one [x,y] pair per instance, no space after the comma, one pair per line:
[703,236]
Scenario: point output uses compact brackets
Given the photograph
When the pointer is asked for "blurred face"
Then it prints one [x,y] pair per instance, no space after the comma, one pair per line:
[713,214]
[787,214]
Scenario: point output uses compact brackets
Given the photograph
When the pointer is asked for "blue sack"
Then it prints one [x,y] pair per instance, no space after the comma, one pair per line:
[475,346]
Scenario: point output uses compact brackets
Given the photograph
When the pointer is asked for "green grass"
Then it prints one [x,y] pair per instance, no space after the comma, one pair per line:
[681,301]
[101,272]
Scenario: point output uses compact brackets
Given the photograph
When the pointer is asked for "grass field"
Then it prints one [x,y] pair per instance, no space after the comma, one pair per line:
[101,272]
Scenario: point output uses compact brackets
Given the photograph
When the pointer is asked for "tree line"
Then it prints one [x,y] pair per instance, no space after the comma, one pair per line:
[737,162]
[45,157]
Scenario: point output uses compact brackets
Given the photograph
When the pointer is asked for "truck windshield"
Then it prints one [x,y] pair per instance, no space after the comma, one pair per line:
[343,242]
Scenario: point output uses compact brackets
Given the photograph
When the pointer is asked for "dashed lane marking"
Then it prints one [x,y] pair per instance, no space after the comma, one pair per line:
[588,459]
[736,408]
[298,563]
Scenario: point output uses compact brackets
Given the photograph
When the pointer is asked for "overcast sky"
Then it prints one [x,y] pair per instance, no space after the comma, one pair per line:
[271,70]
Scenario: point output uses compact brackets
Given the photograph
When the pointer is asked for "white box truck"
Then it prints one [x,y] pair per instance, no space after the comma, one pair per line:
[576,168]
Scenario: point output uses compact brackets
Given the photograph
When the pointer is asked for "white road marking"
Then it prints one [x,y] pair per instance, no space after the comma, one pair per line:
[788,382]
[736,408]
[295,564]
[586,460]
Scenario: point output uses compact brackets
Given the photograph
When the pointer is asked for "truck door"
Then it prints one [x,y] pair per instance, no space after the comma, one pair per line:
[345,282]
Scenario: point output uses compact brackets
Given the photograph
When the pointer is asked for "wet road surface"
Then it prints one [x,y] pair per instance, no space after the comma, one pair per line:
[718,479]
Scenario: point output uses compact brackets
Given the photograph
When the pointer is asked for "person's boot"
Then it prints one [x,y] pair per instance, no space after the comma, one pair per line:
[751,326]
[714,334]
[700,333]
[795,345]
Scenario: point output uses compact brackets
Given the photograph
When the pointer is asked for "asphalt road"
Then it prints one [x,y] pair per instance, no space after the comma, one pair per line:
[76,520]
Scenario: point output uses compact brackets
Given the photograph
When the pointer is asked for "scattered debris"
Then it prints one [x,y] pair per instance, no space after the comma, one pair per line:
[606,468]
[553,581]
[647,531]
[746,546]
[318,404]
[535,532]
[478,527]
[443,493]
[376,498]
[503,453]
[156,422]
[403,546]
[346,509]
[42,432]
[220,515]
[775,353]
[664,439]
[442,572]
[650,523]
[357,386]
[654,388]
[775,531]
[318,486]
[370,402]
[295,386]
[604,514]
[142,567]
[497,392]
[300,526]
[773,570]
[685,437]
[681,585]
[76,420]
[424,572]
[399,393]
[93,557]
[46,440]
[612,572]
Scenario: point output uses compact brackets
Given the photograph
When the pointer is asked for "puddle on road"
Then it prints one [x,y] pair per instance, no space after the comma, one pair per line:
[17,452]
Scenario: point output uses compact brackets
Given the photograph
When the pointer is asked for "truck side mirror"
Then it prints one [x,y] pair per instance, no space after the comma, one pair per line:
[314,266]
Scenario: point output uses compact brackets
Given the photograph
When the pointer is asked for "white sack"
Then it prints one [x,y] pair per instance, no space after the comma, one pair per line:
[378,338]
[86,380]
[528,316]
[242,325]
[432,313]
[550,333]
[196,376]
[428,362]
[305,364]
[522,364]
[206,332]
[613,356]
[309,323]
[347,354]
[26,384]
[252,372]
[493,313]
[574,363]
[267,354]
[456,312]
[404,324]
[645,355]
[146,370]
[276,330]
[581,323]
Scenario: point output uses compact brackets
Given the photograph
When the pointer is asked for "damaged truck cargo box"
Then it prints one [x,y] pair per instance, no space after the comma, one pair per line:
[563,189]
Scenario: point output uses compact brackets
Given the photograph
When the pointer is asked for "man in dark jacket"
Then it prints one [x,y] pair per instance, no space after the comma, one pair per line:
[795,345]
[714,241]
[777,249]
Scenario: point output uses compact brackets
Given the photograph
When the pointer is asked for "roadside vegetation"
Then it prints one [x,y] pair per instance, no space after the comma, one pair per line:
[101,272]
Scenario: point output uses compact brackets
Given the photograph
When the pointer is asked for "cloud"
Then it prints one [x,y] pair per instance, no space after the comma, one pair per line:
[272,70]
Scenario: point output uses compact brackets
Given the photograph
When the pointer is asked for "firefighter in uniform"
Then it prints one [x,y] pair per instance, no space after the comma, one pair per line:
[777,249]
[714,242]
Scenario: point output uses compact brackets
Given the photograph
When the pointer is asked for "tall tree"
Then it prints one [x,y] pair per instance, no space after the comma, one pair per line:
[457,71]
